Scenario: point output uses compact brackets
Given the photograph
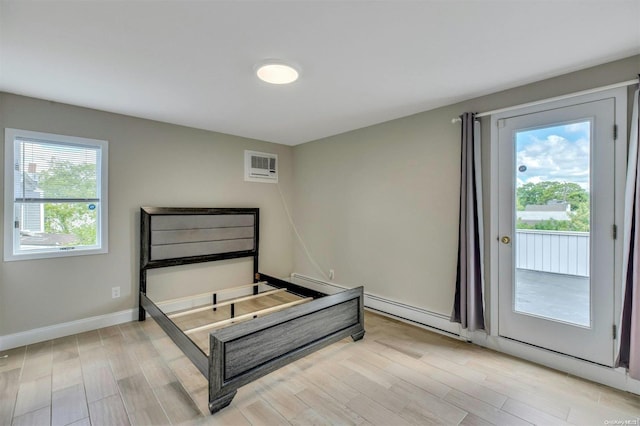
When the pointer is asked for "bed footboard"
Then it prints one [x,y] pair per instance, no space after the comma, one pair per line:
[247,351]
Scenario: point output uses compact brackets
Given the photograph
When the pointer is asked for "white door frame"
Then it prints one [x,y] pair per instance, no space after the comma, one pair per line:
[492,245]
[592,341]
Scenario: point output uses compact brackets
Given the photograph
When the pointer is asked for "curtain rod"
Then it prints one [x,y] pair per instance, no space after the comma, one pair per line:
[557,98]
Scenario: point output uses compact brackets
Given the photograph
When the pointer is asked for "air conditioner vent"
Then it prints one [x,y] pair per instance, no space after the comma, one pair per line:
[260,167]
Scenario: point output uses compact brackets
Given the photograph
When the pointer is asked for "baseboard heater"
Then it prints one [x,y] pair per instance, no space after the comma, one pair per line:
[421,317]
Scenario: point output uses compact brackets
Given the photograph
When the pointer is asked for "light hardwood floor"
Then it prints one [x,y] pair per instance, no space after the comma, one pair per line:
[397,375]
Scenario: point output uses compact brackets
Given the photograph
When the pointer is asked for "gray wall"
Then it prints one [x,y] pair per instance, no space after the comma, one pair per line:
[150,164]
[380,205]
[377,205]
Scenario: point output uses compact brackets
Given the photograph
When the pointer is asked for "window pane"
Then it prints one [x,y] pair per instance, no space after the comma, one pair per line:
[553,214]
[55,225]
[54,170]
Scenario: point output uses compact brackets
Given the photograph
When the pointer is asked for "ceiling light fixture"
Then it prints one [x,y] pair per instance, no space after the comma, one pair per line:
[276,72]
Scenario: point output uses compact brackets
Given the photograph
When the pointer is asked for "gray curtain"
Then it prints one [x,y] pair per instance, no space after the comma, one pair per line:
[629,338]
[468,308]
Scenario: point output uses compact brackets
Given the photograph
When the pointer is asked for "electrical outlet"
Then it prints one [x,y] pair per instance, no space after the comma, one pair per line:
[115,292]
[332,274]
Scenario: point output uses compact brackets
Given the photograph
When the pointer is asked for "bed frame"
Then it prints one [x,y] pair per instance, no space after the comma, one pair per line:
[243,351]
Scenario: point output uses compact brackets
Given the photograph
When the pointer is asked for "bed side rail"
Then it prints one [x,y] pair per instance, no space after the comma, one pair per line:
[190,349]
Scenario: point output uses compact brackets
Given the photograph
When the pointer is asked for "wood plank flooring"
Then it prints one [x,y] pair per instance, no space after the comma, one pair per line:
[397,375]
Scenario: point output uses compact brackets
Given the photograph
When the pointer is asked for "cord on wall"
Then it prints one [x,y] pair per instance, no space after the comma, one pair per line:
[295,230]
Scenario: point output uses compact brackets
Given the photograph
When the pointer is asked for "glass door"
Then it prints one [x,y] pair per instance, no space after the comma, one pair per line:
[556,218]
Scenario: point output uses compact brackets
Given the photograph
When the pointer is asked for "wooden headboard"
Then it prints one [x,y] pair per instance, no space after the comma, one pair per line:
[176,235]
[171,236]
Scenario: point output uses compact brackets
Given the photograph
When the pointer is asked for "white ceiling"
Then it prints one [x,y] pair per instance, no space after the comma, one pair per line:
[362,62]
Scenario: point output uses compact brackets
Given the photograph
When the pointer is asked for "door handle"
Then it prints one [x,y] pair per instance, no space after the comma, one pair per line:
[505,240]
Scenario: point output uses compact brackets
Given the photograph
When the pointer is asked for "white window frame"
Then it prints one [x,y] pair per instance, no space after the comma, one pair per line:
[11,239]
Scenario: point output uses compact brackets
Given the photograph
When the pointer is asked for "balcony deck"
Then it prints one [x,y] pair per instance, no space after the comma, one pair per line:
[559,296]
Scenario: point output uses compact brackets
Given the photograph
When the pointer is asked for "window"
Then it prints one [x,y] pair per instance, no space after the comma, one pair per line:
[55,195]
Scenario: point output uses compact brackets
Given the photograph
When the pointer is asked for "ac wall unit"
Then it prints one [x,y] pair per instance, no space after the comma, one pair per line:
[260,167]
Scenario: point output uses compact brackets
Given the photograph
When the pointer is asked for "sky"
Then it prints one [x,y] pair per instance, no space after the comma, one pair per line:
[558,153]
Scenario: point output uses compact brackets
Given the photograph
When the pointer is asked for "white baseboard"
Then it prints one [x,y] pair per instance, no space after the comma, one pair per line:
[411,314]
[66,329]
[56,331]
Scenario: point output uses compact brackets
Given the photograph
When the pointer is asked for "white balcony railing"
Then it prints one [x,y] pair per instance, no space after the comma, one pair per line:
[553,251]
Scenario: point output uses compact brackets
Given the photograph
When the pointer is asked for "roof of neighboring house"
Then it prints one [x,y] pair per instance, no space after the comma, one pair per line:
[554,207]
[44,239]
[538,213]
[536,216]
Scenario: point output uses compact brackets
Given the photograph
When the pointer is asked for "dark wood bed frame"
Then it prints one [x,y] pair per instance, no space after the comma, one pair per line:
[244,351]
